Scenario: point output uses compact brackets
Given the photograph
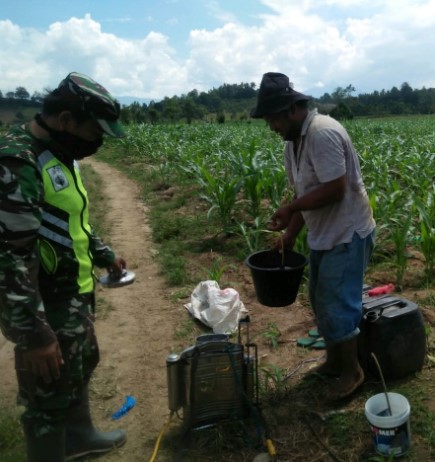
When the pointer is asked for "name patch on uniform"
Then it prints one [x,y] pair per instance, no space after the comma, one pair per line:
[58,178]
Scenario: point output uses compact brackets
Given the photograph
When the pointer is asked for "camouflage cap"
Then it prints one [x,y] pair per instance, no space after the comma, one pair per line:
[96,100]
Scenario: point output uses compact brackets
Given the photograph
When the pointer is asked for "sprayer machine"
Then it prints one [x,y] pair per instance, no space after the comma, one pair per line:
[213,380]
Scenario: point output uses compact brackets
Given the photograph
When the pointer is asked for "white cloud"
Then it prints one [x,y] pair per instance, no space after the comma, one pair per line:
[143,68]
[215,10]
[372,50]
[298,44]
[319,44]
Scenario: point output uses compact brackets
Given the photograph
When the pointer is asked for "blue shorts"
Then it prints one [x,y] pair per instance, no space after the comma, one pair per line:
[335,288]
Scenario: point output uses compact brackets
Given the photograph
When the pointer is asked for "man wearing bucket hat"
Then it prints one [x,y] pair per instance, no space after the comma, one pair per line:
[331,200]
[47,254]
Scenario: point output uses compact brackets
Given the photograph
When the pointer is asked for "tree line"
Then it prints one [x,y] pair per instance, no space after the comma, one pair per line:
[22,95]
[234,102]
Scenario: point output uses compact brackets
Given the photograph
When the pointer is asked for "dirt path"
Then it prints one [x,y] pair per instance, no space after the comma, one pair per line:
[136,324]
[136,334]
[135,330]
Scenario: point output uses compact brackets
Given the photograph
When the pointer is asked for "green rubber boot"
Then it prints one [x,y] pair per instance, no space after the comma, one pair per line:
[83,438]
[46,448]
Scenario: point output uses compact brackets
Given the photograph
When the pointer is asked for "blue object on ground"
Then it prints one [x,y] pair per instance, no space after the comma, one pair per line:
[313,332]
[130,402]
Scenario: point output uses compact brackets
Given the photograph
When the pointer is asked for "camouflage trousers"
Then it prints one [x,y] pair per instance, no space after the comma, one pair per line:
[47,404]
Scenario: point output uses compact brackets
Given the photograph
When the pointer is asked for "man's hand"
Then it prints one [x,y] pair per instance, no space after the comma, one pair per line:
[285,241]
[280,219]
[44,362]
[117,267]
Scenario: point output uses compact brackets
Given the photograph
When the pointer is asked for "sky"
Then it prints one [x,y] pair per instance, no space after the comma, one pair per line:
[152,49]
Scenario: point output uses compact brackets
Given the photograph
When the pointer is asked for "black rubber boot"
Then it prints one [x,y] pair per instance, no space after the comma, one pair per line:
[47,448]
[83,438]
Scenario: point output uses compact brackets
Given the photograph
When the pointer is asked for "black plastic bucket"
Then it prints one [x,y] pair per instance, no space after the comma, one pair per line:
[276,284]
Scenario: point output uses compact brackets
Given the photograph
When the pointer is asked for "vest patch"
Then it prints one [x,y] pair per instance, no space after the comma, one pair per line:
[58,178]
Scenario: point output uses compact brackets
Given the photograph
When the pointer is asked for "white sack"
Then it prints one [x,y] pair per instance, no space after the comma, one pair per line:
[220,309]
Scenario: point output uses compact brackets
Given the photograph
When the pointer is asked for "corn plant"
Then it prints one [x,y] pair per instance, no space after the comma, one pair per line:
[399,229]
[427,232]
[301,244]
[253,170]
[239,169]
[252,234]
[271,334]
[217,270]
[272,379]
[220,193]
[253,190]
[275,186]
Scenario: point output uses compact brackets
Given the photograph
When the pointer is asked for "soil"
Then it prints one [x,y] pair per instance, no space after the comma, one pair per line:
[137,332]
[136,325]
[136,328]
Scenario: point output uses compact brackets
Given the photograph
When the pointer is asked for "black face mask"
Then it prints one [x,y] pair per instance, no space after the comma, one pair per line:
[71,146]
[74,146]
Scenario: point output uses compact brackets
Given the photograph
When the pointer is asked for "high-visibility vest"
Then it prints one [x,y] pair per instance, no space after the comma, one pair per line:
[65,228]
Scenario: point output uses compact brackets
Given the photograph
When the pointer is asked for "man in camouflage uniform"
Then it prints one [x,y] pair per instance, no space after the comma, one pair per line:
[47,254]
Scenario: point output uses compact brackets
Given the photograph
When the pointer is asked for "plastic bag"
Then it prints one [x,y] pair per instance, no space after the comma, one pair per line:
[220,309]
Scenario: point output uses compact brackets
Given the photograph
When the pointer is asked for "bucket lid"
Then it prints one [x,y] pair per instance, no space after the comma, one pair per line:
[375,406]
[111,281]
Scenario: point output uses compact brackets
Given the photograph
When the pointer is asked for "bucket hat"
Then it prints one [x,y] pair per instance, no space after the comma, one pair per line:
[275,95]
[96,101]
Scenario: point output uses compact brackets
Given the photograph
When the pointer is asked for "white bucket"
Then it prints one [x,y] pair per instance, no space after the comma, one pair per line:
[391,433]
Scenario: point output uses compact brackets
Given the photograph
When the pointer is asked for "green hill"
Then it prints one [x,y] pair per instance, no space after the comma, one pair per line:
[15,113]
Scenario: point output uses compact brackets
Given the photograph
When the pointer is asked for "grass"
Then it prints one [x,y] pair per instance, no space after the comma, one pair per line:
[97,210]
[8,115]
[338,432]
[186,330]
[184,237]
[97,206]
[331,433]
[12,447]
[343,430]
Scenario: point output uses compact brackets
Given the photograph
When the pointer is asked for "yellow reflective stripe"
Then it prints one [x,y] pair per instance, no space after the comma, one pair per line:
[86,280]
[66,193]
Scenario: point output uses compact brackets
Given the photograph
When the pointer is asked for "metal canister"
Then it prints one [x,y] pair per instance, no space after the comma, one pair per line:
[173,373]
